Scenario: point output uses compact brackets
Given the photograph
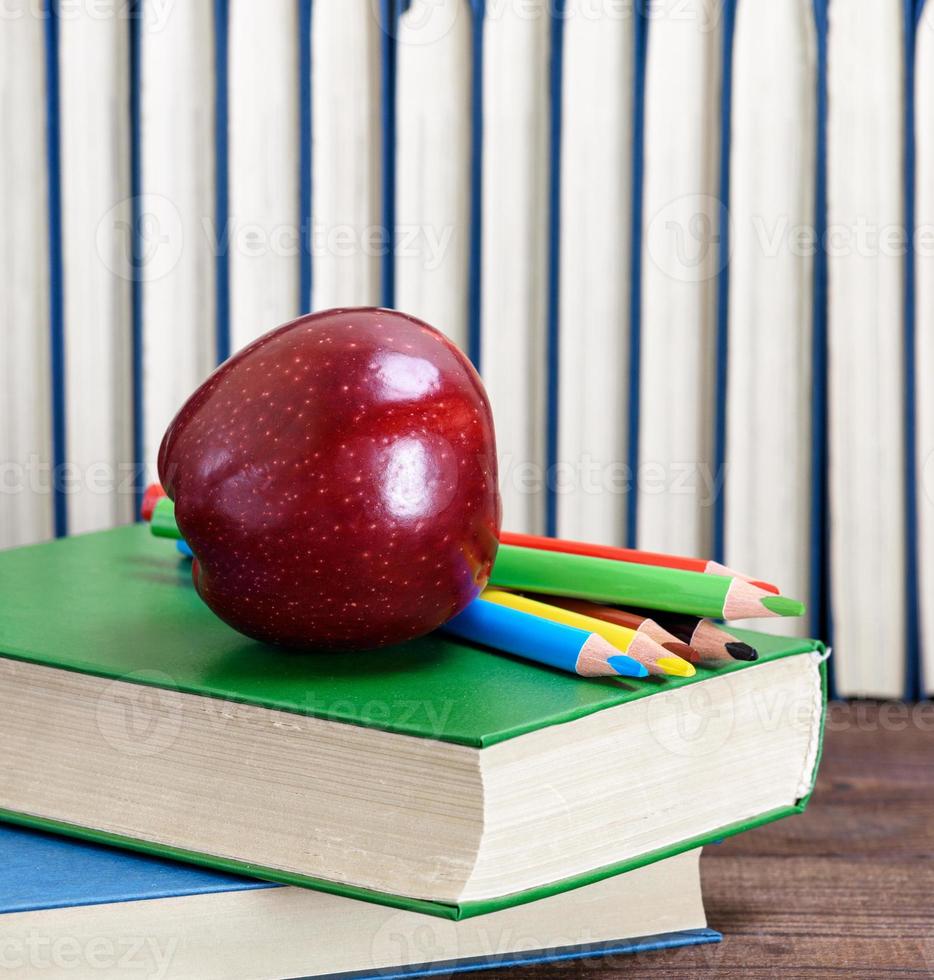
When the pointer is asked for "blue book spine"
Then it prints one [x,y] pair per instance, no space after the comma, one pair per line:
[221,179]
[475,257]
[912,12]
[641,12]
[56,277]
[819,606]
[304,154]
[721,379]
[389,19]
[553,325]
[136,15]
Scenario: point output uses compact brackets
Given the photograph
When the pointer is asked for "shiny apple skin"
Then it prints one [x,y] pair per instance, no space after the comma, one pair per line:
[336,480]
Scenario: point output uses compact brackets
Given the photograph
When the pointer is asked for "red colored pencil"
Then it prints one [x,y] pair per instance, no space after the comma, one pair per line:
[154,492]
[628,554]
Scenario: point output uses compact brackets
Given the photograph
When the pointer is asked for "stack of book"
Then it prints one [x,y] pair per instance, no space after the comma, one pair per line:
[442,805]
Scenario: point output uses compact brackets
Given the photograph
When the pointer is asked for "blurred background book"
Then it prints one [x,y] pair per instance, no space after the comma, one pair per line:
[688,244]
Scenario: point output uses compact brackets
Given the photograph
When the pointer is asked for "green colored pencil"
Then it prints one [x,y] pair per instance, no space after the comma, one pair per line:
[162,523]
[629,584]
[605,580]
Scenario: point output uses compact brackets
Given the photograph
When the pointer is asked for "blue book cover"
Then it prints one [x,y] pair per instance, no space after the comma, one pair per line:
[41,871]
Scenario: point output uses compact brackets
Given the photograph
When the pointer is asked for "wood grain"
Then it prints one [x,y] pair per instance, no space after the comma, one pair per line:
[844,890]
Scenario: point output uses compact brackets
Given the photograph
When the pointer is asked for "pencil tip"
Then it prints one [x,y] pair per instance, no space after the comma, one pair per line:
[782,605]
[682,650]
[676,667]
[627,667]
[741,651]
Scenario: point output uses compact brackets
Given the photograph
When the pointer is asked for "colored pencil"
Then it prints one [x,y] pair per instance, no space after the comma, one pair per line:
[623,617]
[154,492]
[711,641]
[627,584]
[604,580]
[162,522]
[628,554]
[533,638]
[654,657]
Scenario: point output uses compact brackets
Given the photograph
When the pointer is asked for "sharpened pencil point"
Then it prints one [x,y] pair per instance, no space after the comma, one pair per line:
[682,650]
[782,605]
[676,667]
[627,667]
[741,651]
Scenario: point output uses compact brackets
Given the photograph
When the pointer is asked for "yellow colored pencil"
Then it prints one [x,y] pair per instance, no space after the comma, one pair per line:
[654,657]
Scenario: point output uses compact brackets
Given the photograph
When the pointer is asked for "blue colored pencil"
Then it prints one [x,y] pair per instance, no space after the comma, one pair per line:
[546,642]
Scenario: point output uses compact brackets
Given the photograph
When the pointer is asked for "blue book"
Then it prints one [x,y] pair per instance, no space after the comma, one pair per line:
[71,905]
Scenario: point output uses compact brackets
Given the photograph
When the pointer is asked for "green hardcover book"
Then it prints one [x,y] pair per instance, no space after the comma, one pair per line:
[434,776]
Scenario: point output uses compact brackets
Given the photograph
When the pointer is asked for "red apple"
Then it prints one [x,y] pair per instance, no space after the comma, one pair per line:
[336,480]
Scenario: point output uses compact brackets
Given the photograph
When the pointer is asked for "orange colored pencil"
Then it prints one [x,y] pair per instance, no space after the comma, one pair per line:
[622,617]
[628,554]
[712,642]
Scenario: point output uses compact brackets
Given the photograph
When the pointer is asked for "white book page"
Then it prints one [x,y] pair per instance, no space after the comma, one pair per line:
[264,222]
[346,154]
[433,144]
[515,254]
[865,179]
[680,261]
[179,241]
[97,252]
[596,218]
[772,179]
[25,413]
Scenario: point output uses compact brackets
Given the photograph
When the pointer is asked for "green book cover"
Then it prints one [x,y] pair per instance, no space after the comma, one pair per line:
[120,604]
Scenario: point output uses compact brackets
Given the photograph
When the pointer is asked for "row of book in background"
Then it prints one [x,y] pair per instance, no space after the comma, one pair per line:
[687,221]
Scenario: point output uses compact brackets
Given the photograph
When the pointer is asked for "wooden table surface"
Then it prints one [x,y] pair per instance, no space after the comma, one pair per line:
[846,889]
